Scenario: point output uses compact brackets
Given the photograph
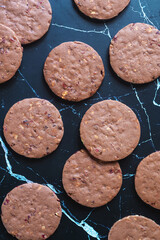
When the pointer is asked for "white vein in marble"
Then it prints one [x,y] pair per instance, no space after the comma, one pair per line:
[29,85]
[9,167]
[142,13]
[128,175]
[2,179]
[105,32]
[15,175]
[147,117]
[82,224]
[156,92]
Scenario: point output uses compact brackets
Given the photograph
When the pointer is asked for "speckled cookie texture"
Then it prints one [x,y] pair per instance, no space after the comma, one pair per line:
[33,127]
[136,228]
[147,180]
[110,130]
[29,19]
[10,53]
[90,182]
[135,53]
[74,71]
[31,211]
[101,9]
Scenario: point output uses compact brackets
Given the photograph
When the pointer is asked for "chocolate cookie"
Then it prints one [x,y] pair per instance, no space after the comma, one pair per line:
[147,180]
[29,19]
[101,9]
[110,130]
[33,127]
[74,71]
[31,211]
[135,53]
[10,53]
[135,228]
[90,182]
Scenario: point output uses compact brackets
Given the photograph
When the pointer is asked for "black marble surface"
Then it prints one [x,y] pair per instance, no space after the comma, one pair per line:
[68,24]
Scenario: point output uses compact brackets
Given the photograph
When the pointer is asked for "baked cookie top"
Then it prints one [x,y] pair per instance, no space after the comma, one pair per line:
[29,19]
[135,53]
[147,180]
[10,53]
[89,181]
[31,211]
[33,127]
[101,9]
[134,227]
[74,71]
[110,130]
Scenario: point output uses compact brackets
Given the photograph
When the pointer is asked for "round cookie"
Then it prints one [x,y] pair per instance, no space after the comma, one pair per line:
[90,182]
[33,127]
[134,227]
[101,9]
[10,53]
[147,180]
[29,19]
[74,71]
[31,211]
[135,53]
[110,130]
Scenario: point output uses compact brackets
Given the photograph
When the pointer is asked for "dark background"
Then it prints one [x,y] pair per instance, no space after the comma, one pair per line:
[68,24]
